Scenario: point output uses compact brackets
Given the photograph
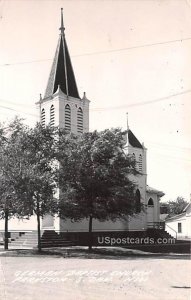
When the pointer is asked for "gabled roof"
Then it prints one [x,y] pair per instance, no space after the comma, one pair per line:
[133,141]
[163,217]
[154,191]
[62,73]
[176,216]
[182,214]
[187,207]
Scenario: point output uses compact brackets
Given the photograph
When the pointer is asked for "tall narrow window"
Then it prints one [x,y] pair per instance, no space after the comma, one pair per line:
[43,117]
[67,117]
[52,116]
[140,163]
[80,120]
[138,202]
[179,227]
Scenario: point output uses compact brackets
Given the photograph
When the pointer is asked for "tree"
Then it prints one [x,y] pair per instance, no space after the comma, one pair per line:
[94,177]
[10,173]
[176,207]
[38,185]
[27,174]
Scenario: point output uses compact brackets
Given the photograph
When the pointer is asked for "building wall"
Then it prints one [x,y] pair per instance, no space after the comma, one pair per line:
[171,226]
[138,223]
[15,224]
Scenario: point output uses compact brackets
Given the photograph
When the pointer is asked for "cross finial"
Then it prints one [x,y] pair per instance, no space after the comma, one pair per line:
[127,121]
[62,22]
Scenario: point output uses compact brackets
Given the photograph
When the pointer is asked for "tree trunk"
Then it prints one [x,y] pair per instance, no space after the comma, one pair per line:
[6,241]
[38,226]
[90,233]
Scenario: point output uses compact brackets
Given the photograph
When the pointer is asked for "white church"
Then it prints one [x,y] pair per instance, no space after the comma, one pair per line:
[62,106]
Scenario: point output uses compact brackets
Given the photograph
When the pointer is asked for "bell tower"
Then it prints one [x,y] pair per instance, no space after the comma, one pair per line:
[61,105]
[138,152]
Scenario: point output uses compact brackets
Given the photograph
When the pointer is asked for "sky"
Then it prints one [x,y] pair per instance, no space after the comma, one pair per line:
[128,56]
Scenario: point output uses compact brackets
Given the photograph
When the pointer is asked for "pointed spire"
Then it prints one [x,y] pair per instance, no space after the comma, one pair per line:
[62,72]
[133,141]
[62,23]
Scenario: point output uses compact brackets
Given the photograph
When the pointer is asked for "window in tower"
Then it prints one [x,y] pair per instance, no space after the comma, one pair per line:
[140,163]
[52,116]
[67,117]
[80,120]
[43,117]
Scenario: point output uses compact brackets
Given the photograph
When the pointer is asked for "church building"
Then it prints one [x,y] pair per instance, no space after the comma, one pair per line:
[62,106]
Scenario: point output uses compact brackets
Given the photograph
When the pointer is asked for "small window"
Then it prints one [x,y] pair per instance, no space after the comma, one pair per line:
[150,202]
[179,227]
[67,118]
[80,120]
[52,116]
[43,117]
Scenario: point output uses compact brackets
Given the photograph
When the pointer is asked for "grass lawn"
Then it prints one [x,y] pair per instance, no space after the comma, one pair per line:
[106,274]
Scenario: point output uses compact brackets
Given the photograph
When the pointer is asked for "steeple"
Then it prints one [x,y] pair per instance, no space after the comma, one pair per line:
[62,72]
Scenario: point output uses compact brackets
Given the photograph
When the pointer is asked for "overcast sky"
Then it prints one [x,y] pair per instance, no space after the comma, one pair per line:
[129,56]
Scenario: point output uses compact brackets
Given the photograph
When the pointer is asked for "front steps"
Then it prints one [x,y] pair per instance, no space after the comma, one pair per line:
[52,239]
[29,240]
[24,240]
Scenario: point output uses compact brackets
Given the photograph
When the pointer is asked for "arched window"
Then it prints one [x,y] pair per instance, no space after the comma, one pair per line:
[52,116]
[43,117]
[140,163]
[80,120]
[150,202]
[138,201]
[67,117]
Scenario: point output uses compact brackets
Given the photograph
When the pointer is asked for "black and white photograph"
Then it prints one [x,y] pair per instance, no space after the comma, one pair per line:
[95,149]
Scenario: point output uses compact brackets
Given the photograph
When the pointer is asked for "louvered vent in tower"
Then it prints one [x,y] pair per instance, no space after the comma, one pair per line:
[80,120]
[52,116]
[43,117]
[67,118]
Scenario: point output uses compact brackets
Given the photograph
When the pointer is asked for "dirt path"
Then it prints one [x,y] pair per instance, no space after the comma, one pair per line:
[55,278]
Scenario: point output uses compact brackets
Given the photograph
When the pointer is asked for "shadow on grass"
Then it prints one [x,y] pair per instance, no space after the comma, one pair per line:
[96,253]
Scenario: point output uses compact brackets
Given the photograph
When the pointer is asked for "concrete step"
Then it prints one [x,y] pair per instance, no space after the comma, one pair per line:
[23,242]
[27,240]
[32,240]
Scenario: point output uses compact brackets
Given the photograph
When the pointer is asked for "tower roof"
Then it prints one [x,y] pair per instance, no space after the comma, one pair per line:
[62,73]
[133,141]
